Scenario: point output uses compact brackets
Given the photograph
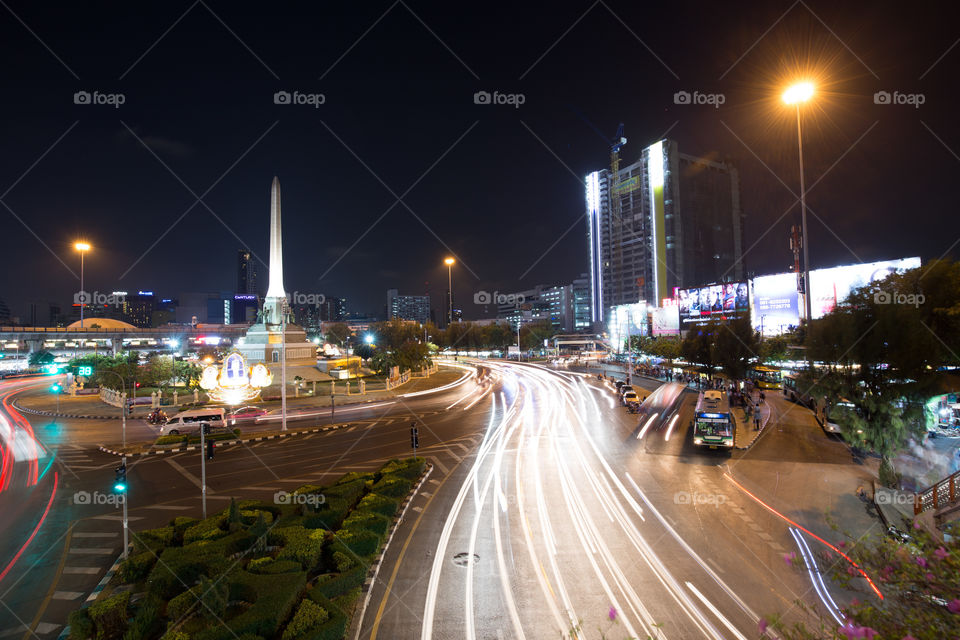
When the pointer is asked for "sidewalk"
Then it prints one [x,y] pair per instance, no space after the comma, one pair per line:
[746,434]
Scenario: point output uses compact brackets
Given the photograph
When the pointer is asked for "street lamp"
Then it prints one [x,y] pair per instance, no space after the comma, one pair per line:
[449,262]
[82,247]
[797,94]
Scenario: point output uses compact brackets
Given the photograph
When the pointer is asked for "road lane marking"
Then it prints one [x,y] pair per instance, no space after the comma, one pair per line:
[166,507]
[86,571]
[716,612]
[118,518]
[440,465]
[186,474]
[67,595]
[112,534]
[91,551]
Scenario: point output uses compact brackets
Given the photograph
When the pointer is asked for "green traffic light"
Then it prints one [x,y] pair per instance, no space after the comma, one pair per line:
[120,487]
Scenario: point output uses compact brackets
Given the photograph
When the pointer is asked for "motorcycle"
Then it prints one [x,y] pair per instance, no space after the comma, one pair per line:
[157,417]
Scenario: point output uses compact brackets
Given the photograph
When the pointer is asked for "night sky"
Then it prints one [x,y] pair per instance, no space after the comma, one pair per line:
[499,187]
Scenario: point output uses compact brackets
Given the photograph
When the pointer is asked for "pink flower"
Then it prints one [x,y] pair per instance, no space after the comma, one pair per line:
[916,525]
[841,544]
[612,614]
[908,637]
[930,577]
[954,606]
[789,557]
[762,625]
[941,553]
[922,562]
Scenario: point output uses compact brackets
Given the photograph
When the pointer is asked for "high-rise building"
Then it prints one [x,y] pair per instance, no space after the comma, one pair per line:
[138,309]
[407,307]
[246,273]
[581,304]
[553,304]
[679,224]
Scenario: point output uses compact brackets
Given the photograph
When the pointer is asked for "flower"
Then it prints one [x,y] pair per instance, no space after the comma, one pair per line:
[612,614]
[941,553]
[790,557]
[930,577]
[922,561]
[954,606]
[762,625]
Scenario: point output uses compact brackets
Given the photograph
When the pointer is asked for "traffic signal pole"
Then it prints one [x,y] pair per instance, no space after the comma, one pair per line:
[203,469]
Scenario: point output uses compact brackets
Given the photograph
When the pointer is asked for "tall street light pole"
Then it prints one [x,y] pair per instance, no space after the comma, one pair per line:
[82,247]
[798,94]
[449,262]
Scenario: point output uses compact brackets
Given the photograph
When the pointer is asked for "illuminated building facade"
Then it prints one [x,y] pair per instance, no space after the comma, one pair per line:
[680,223]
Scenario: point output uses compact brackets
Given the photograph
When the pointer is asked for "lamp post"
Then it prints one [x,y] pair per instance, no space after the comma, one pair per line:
[82,247]
[449,262]
[798,94]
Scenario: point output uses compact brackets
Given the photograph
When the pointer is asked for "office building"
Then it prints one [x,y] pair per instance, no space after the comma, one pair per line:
[246,273]
[668,220]
[407,307]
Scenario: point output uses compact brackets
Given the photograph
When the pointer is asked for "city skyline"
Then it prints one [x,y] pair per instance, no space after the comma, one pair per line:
[134,195]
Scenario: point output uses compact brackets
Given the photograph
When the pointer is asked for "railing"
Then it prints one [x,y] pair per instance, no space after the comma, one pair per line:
[941,494]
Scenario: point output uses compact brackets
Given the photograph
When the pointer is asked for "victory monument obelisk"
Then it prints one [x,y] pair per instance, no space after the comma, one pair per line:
[273,331]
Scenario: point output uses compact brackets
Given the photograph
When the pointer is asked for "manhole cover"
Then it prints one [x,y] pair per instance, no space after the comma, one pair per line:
[462,559]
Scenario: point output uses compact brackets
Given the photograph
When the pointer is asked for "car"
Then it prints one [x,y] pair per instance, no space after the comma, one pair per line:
[246,414]
[625,389]
[618,384]
[190,421]
[630,397]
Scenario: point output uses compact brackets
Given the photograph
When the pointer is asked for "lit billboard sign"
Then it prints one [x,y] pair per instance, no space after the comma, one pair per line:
[831,286]
[627,320]
[665,321]
[776,303]
[717,301]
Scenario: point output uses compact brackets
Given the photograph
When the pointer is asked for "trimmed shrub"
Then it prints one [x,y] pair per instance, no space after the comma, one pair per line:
[137,568]
[179,566]
[301,545]
[356,542]
[348,601]
[409,468]
[81,626]
[394,486]
[367,520]
[146,621]
[209,529]
[275,566]
[110,616]
[309,616]
[207,599]
[175,635]
[250,516]
[342,561]
[273,599]
[153,539]
[164,440]
[381,504]
[342,584]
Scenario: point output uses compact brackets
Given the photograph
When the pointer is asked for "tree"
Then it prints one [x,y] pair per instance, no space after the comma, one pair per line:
[413,356]
[697,347]
[338,333]
[735,345]
[920,582]
[364,350]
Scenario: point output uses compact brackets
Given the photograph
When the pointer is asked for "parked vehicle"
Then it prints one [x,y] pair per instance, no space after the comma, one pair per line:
[630,398]
[624,389]
[189,421]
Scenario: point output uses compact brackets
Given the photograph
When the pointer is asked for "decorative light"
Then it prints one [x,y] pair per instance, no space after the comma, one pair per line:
[800,92]
[234,383]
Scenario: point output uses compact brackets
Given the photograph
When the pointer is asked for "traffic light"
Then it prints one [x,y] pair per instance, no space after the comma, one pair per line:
[55,387]
[414,438]
[210,447]
[120,478]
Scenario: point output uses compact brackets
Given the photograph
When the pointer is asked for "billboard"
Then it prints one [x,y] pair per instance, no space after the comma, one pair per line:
[627,320]
[716,301]
[829,287]
[776,303]
[665,321]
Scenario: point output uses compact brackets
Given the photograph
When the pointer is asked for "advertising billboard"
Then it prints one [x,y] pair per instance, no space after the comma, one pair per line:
[776,303]
[627,320]
[832,286]
[665,321]
[716,301]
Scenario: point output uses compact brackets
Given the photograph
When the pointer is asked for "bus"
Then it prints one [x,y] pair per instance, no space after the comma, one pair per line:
[792,391]
[766,377]
[713,421]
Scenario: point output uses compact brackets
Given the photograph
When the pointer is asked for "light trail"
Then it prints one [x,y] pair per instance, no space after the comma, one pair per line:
[816,580]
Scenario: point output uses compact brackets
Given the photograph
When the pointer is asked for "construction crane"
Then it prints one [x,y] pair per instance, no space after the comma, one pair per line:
[616,218]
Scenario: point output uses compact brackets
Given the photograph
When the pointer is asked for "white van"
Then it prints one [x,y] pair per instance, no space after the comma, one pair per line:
[189,421]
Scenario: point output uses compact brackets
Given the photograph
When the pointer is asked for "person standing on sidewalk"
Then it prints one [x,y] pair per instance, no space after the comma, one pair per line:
[756,421]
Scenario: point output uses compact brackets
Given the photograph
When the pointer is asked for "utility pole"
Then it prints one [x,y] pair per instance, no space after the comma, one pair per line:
[414,439]
[203,468]
[283,364]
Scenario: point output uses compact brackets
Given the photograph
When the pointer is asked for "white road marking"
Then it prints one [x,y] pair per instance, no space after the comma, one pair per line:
[186,474]
[113,534]
[716,612]
[67,595]
[89,551]
[86,571]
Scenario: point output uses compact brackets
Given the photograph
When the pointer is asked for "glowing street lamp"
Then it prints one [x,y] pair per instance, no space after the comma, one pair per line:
[82,247]
[368,338]
[797,94]
[449,262]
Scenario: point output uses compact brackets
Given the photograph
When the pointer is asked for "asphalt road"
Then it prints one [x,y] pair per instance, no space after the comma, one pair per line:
[564,520]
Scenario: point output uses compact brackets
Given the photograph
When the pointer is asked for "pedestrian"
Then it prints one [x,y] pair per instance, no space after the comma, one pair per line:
[763,397]
[756,421]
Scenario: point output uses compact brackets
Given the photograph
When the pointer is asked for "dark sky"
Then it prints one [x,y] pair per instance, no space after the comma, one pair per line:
[497,186]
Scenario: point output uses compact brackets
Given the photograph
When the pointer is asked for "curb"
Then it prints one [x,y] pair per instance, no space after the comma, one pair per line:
[96,592]
[193,447]
[763,426]
[374,571]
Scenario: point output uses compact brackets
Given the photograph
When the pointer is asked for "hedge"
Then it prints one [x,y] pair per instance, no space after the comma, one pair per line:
[376,503]
[153,539]
[409,468]
[81,626]
[208,599]
[309,616]
[180,566]
[334,628]
[342,583]
[273,599]
[146,621]
[372,521]
[301,545]
[394,486]
[209,529]
[274,567]
[109,616]
[137,567]
[356,542]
